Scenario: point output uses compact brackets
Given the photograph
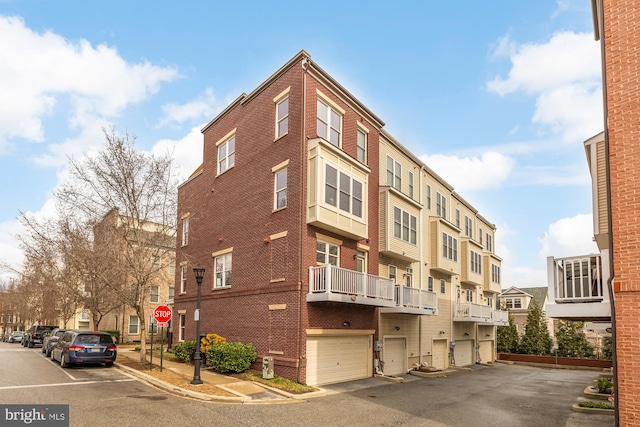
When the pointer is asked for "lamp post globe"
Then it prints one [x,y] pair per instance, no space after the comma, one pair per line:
[197,357]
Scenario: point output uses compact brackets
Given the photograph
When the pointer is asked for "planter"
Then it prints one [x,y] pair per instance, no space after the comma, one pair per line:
[592,393]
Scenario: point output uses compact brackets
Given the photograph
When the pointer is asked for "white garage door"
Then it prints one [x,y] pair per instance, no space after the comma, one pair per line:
[439,354]
[334,359]
[394,355]
[486,351]
[463,353]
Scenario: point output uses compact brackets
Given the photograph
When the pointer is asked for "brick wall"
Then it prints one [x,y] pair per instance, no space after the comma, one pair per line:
[622,41]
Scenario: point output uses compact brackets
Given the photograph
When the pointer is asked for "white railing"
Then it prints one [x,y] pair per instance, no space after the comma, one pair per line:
[481,312]
[416,298]
[577,279]
[331,279]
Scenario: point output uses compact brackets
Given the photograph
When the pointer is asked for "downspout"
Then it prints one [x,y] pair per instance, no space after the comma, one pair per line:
[610,280]
[303,148]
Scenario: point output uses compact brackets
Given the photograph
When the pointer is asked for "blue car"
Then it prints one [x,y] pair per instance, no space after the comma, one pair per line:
[16,336]
[84,347]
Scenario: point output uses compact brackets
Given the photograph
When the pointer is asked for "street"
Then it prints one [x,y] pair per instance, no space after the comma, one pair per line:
[500,395]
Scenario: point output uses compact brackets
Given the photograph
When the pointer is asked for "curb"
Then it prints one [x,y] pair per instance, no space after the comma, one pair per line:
[179,391]
[577,408]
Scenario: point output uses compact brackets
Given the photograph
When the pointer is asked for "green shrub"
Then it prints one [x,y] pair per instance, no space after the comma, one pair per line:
[231,356]
[184,350]
[114,334]
[599,405]
[604,386]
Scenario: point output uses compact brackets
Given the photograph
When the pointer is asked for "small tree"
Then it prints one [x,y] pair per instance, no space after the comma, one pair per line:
[508,339]
[571,340]
[607,348]
[536,338]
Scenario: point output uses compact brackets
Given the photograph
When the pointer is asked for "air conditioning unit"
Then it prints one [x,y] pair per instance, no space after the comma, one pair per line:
[267,368]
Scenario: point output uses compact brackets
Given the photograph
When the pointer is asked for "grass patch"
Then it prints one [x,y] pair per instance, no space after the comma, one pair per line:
[279,383]
[598,405]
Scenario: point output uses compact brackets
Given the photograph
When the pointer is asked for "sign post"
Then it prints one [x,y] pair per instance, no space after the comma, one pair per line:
[162,314]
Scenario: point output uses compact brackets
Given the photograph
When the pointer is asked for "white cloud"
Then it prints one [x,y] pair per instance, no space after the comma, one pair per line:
[569,237]
[488,171]
[564,76]
[204,107]
[40,68]
[187,152]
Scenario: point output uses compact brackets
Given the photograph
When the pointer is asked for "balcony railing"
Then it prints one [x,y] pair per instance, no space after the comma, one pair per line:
[578,279]
[470,312]
[330,283]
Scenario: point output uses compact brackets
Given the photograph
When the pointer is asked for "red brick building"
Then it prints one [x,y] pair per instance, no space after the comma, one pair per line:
[617,29]
[306,216]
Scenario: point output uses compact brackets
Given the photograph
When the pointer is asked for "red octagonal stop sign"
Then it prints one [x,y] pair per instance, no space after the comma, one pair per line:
[162,314]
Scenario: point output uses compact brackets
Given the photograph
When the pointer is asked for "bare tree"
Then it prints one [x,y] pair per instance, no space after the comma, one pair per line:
[130,199]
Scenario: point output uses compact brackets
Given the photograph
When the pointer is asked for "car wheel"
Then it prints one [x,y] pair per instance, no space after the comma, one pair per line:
[63,363]
[108,364]
[47,353]
[44,350]
[30,344]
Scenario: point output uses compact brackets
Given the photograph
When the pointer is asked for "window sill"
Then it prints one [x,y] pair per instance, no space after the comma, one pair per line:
[227,170]
[280,137]
[279,209]
[277,280]
[219,288]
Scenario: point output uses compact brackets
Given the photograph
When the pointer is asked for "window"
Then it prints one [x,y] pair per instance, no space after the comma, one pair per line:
[513,303]
[495,273]
[408,277]
[327,253]
[226,155]
[154,294]
[280,189]
[183,279]
[449,247]
[404,226]
[282,117]
[172,266]
[182,322]
[429,197]
[223,271]
[443,286]
[362,146]
[345,194]
[441,205]
[329,123]
[469,295]
[480,235]
[392,272]
[155,262]
[411,184]
[468,227]
[134,325]
[430,284]
[153,325]
[489,243]
[458,218]
[172,293]
[394,174]
[185,231]
[476,262]
[490,302]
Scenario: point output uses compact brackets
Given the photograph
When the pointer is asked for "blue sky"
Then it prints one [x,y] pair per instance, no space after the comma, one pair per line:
[497,97]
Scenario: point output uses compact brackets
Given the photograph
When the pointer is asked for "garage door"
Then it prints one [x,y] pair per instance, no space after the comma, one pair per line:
[463,353]
[394,356]
[486,351]
[439,354]
[334,359]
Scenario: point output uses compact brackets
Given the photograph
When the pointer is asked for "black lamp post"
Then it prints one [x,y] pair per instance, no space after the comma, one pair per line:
[197,357]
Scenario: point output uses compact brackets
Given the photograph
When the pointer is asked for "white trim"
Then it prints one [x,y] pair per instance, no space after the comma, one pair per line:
[226,137]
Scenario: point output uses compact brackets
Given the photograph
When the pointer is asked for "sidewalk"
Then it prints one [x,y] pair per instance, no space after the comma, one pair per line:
[229,389]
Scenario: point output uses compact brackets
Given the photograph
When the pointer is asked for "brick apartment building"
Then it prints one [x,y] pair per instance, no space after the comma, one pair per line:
[327,244]
[616,26]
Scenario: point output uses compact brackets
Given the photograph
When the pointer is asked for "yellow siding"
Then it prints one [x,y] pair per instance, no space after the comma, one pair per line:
[601,190]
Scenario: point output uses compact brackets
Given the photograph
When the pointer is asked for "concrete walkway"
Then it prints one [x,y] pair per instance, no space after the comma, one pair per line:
[242,391]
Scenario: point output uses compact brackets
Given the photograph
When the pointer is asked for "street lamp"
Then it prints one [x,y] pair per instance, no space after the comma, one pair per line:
[197,357]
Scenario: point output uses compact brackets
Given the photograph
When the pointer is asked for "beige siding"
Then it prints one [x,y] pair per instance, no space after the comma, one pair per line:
[601,190]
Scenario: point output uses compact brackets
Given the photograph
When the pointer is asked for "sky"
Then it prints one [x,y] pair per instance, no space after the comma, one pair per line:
[497,97]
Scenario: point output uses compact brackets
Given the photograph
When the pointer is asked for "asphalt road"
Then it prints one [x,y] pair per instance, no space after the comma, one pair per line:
[499,395]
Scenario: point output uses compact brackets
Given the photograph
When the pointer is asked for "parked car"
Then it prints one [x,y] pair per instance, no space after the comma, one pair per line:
[33,336]
[84,347]
[16,336]
[50,338]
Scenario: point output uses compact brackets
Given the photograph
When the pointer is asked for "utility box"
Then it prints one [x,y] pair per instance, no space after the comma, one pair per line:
[267,368]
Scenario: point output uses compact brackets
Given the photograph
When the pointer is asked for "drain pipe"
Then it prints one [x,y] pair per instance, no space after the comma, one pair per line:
[610,280]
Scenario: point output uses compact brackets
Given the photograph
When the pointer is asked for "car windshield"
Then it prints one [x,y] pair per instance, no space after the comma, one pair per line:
[94,339]
[59,333]
[18,333]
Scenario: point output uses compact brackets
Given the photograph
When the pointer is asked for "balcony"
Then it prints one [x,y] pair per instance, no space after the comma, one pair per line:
[470,312]
[578,287]
[330,283]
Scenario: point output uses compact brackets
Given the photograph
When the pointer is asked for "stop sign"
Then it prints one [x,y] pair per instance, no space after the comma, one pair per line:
[162,314]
